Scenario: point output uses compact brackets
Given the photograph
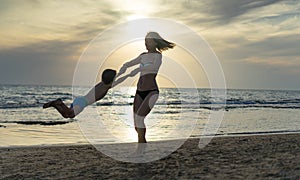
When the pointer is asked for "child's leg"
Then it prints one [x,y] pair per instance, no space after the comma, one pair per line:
[64,110]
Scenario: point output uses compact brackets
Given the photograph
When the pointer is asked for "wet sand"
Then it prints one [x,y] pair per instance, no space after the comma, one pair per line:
[251,157]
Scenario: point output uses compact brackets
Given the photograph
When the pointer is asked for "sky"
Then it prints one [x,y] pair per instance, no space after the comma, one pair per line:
[257,42]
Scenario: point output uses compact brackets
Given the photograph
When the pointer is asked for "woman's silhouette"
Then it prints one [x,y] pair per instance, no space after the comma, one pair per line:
[147,89]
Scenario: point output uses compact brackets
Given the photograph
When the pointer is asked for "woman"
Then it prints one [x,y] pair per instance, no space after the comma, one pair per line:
[147,89]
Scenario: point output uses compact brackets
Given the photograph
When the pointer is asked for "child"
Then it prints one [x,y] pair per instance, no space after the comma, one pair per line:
[95,94]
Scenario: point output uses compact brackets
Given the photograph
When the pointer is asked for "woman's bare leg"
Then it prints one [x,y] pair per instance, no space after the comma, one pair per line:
[141,109]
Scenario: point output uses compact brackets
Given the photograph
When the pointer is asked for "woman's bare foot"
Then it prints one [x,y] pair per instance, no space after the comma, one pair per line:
[140,150]
[52,103]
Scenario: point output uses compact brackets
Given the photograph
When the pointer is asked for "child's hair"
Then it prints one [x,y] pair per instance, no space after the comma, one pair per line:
[162,44]
[108,76]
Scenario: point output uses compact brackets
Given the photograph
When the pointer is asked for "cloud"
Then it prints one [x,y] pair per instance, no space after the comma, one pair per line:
[276,46]
[242,30]
[51,62]
[29,22]
[41,41]
[210,13]
[252,39]
[248,36]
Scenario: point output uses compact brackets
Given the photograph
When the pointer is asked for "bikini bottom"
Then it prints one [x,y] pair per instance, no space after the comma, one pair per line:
[144,94]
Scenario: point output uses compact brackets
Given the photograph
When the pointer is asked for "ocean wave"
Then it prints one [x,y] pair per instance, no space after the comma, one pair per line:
[248,133]
[17,106]
[43,123]
[174,104]
[34,97]
[58,94]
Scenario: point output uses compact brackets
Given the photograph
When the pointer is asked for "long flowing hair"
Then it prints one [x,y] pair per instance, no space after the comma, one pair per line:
[162,44]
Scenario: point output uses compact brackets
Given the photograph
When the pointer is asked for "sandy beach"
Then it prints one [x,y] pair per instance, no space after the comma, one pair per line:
[261,156]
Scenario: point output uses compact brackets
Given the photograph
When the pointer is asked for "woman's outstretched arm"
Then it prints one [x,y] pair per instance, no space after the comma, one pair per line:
[129,64]
[121,79]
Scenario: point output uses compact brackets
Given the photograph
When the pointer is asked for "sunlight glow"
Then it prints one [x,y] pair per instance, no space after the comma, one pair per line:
[131,135]
[135,9]
[135,16]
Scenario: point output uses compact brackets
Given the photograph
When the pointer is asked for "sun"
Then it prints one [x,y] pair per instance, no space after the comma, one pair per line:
[136,9]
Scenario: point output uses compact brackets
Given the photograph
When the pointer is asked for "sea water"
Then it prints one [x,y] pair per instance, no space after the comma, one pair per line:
[178,113]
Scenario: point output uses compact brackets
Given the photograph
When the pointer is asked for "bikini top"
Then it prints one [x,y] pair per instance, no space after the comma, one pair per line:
[152,61]
[146,64]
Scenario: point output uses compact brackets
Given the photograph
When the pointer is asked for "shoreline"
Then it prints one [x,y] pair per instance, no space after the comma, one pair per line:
[165,140]
[259,156]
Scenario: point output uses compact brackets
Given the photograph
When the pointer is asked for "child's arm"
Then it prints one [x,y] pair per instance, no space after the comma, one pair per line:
[129,64]
[119,80]
[131,74]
